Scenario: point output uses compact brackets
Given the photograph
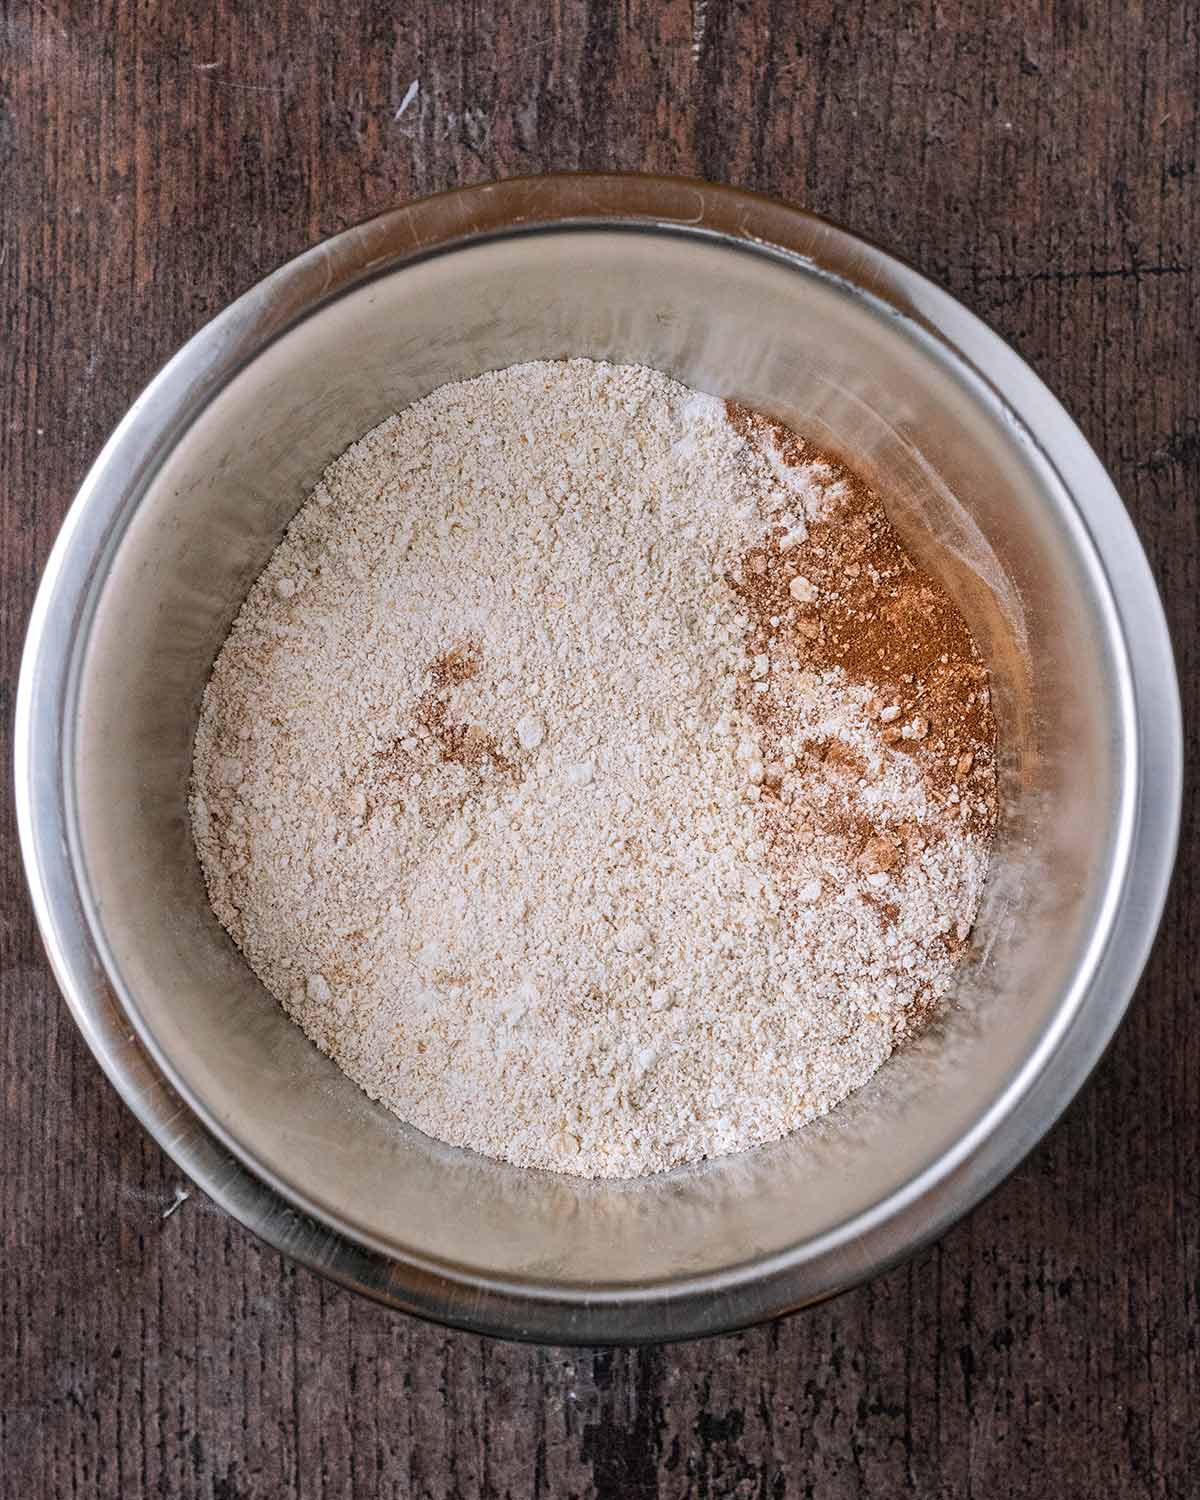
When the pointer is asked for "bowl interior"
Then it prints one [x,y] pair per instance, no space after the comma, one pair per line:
[971,495]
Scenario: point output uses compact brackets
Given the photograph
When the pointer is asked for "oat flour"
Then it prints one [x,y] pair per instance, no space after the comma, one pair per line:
[592,776]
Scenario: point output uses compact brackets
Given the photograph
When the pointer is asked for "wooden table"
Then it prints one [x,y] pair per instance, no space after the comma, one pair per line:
[1040,160]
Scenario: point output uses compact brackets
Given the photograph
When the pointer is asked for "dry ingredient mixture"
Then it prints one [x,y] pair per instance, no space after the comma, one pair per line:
[593,775]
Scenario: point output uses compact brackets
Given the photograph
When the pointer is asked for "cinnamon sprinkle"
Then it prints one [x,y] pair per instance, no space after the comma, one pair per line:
[838,592]
[466,745]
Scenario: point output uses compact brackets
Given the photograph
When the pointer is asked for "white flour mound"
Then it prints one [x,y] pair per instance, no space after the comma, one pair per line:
[562,946]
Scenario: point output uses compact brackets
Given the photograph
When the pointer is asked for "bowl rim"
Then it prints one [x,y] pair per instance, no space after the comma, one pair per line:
[912,1215]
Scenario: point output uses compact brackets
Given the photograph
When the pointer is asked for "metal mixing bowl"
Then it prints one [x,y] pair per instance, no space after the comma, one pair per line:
[988,480]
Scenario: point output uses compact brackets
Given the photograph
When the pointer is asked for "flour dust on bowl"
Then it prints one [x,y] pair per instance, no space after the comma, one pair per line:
[988,485]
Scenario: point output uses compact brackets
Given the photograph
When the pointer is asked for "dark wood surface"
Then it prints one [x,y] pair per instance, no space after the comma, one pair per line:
[1038,159]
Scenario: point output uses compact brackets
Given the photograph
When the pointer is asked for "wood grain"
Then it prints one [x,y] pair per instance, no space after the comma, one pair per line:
[1040,160]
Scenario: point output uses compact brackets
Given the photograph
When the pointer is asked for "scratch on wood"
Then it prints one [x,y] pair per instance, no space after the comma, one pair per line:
[244,88]
[699,26]
[46,11]
[181,1196]
[411,93]
[1133,272]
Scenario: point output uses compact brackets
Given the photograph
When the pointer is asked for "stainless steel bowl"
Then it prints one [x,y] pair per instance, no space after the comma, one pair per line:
[990,481]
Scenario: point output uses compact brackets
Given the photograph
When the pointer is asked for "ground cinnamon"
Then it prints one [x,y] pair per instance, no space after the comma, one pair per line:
[837,593]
